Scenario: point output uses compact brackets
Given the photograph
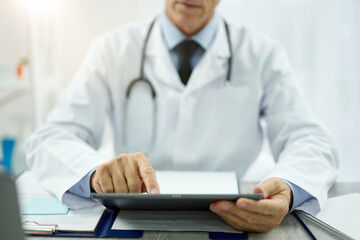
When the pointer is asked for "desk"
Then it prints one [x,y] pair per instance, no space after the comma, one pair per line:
[289,228]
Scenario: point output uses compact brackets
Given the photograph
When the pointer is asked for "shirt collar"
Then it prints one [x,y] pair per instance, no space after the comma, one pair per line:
[173,36]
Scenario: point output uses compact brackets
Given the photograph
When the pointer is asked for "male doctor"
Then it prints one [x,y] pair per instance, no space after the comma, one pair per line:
[209,83]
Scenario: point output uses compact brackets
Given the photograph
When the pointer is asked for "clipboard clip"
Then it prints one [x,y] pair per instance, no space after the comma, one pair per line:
[38,228]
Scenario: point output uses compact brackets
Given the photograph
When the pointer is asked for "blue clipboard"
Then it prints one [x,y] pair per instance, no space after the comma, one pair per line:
[221,235]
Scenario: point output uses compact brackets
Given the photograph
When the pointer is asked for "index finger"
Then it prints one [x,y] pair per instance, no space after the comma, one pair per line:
[148,175]
[263,206]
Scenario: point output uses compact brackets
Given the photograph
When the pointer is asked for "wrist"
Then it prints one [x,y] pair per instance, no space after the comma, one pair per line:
[92,179]
[289,194]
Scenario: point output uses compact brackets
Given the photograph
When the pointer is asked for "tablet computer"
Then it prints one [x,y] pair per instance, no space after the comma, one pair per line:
[188,202]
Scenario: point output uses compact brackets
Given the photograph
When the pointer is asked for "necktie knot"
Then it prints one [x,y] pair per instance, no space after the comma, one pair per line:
[185,50]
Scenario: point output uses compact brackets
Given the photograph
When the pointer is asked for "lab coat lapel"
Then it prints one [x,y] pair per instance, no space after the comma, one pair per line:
[163,67]
[214,63]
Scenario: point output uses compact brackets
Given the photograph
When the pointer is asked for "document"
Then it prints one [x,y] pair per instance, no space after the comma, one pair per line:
[204,221]
[340,213]
[175,182]
[45,206]
[343,213]
[79,220]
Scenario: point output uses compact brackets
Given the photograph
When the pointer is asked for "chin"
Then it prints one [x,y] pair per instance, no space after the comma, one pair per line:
[188,18]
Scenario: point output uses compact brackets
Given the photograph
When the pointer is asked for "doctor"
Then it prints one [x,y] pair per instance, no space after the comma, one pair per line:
[205,85]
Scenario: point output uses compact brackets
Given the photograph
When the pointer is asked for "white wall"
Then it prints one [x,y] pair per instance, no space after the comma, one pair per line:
[14,29]
[82,20]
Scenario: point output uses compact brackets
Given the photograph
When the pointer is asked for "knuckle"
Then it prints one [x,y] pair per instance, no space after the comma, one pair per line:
[107,189]
[123,157]
[267,210]
[123,189]
[135,183]
[140,155]
[102,169]
[138,184]
[98,179]
[134,187]
[276,180]
[246,227]
[238,226]
[279,183]
[111,164]
[252,219]
[148,171]
[114,161]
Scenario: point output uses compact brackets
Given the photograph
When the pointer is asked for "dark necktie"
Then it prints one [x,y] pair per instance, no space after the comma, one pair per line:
[185,50]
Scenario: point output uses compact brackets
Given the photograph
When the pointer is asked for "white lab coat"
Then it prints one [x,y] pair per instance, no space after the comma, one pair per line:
[203,126]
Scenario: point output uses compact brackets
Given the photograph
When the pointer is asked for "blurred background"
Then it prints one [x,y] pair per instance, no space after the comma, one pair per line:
[42,43]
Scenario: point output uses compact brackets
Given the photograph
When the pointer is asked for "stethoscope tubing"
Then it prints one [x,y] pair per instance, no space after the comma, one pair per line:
[142,78]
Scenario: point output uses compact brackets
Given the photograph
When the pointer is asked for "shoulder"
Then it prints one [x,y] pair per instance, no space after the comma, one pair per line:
[252,40]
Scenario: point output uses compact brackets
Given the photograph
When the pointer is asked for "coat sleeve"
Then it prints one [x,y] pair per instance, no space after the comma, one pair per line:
[303,151]
[64,150]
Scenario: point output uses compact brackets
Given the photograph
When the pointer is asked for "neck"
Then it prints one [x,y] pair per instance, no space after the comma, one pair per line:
[189,29]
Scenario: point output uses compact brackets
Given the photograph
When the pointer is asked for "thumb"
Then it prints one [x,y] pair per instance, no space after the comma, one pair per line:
[268,187]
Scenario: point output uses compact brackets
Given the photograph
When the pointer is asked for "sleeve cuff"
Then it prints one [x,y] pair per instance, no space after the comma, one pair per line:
[82,188]
[299,195]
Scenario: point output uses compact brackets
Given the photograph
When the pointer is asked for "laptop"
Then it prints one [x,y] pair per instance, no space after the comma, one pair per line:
[10,223]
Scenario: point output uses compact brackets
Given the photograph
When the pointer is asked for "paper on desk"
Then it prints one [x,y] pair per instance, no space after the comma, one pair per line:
[343,213]
[44,206]
[83,220]
[191,182]
[204,221]
[79,220]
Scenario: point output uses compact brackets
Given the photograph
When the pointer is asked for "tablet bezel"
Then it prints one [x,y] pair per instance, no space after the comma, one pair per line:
[174,202]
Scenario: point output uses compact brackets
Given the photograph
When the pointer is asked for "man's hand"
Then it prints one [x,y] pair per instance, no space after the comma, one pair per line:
[127,173]
[257,215]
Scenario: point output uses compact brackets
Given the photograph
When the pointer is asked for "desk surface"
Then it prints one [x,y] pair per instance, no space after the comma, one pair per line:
[287,230]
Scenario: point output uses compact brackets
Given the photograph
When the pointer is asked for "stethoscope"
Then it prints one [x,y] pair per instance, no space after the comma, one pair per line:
[143,79]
